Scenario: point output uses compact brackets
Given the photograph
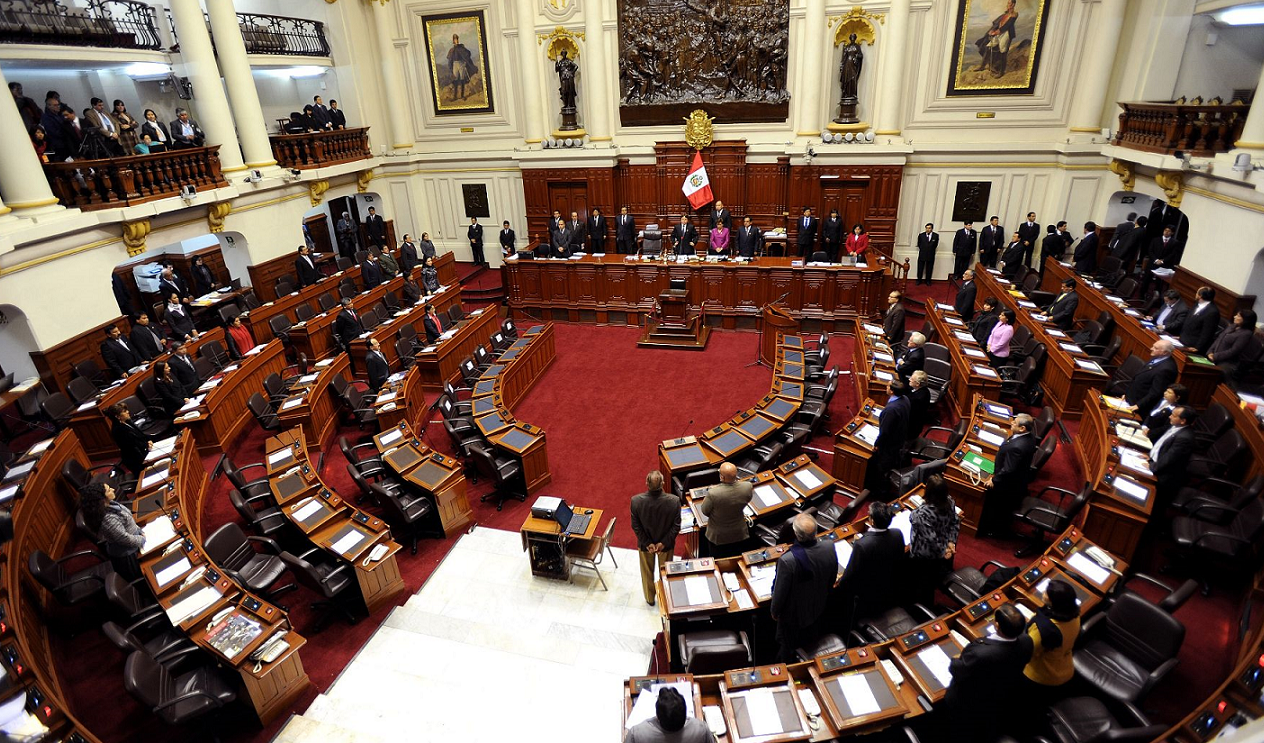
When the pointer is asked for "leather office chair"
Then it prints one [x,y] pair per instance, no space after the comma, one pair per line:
[938,377]
[404,350]
[81,526]
[369,465]
[463,435]
[408,332]
[78,477]
[781,532]
[1173,599]
[893,622]
[1227,546]
[382,311]
[826,644]
[230,549]
[237,477]
[713,651]
[228,312]
[927,447]
[152,421]
[387,482]
[695,479]
[1088,720]
[57,409]
[1127,288]
[328,576]
[369,318]
[362,410]
[176,699]
[275,388]
[1048,517]
[469,372]
[762,458]
[502,471]
[819,391]
[451,409]
[131,602]
[499,343]
[651,242]
[280,326]
[264,519]
[482,359]
[284,287]
[214,352]
[455,313]
[1022,335]
[1124,374]
[166,641]
[70,588]
[304,312]
[326,302]
[965,585]
[1105,355]
[264,413]
[1043,423]
[1043,452]
[1227,457]
[1129,648]
[510,330]
[149,392]
[1225,498]
[1031,287]
[408,514]
[820,256]
[391,301]
[344,263]
[1022,381]
[80,389]
[815,365]
[905,479]
[348,290]
[90,370]
[1211,423]
[588,553]
[1093,335]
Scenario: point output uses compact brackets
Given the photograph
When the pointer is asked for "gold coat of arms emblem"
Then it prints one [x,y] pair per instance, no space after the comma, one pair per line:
[698,131]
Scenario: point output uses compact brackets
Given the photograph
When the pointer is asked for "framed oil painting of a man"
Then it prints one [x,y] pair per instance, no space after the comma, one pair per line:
[460,81]
[997,46]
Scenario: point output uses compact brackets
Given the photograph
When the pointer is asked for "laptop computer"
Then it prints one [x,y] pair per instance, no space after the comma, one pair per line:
[571,522]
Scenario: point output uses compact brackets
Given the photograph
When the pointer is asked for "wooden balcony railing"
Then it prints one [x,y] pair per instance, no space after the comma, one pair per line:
[125,181]
[121,24]
[318,149]
[1168,128]
[274,34]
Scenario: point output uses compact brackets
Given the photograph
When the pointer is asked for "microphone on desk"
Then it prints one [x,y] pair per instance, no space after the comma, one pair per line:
[687,425]
[778,299]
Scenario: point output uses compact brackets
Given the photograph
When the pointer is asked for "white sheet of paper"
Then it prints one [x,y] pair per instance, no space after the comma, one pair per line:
[973,352]
[1090,366]
[278,456]
[885,377]
[991,438]
[1073,348]
[1087,568]
[883,356]
[937,661]
[808,479]
[157,533]
[903,522]
[761,579]
[151,480]
[169,574]
[868,433]
[843,549]
[954,321]
[86,406]
[41,446]
[293,402]
[859,696]
[873,329]
[385,397]
[390,438]
[984,371]
[697,590]
[1056,333]
[943,306]
[1131,489]
[761,706]
[344,545]
[323,363]
[307,510]
[192,605]
[744,601]
[1134,460]
[731,581]
[963,336]
[767,497]
[192,403]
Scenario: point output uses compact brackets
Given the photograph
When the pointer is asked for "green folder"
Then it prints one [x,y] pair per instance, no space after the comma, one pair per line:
[983,463]
[1200,359]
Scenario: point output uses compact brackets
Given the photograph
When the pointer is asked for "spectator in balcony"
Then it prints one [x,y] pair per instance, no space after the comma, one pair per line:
[145,146]
[320,115]
[54,126]
[185,133]
[40,141]
[72,135]
[27,108]
[159,137]
[336,116]
[129,127]
[105,124]
[298,123]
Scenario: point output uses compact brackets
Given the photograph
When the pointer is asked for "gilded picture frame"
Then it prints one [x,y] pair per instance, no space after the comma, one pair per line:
[996,50]
[460,76]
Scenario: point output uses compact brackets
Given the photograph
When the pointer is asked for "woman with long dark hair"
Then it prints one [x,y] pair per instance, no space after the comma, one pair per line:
[935,529]
[114,526]
[429,276]
[1053,631]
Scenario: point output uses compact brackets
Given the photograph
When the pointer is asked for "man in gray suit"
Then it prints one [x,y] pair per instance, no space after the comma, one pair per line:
[801,590]
[727,531]
[669,723]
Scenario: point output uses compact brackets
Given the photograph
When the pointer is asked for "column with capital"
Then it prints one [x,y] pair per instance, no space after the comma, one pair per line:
[402,133]
[808,121]
[22,179]
[894,43]
[595,88]
[533,125]
[1099,56]
[1252,137]
[199,61]
[233,63]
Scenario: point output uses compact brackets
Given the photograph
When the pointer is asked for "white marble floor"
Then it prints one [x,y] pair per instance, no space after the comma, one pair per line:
[487,652]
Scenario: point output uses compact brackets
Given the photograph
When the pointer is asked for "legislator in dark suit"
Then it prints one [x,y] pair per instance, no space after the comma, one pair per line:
[871,582]
[370,273]
[981,326]
[474,233]
[562,240]
[965,242]
[991,242]
[133,445]
[147,341]
[927,244]
[174,285]
[171,395]
[1169,458]
[375,228]
[305,269]
[1085,255]
[1157,420]
[625,233]
[913,359]
[965,300]
[1127,247]
[1231,349]
[748,241]
[807,235]
[184,372]
[1029,235]
[1062,311]
[407,257]
[919,409]
[726,520]
[1146,388]
[578,229]
[1167,250]
[348,326]
[1171,317]
[800,593]
[378,369]
[721,216]
[180,322]
[1012,259]
[684,238]
[597,233]
[507,238]
[986,688]
[1054,246]
[1010,477]
[893,324]
[893,429]
[1200,327]
[119,355]
[832,236]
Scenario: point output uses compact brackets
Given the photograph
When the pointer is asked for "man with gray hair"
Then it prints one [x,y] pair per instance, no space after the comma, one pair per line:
[1010,477]
[727,531]
[1146,388]
[655,522]
[185,132]
[913,358]
[801,589]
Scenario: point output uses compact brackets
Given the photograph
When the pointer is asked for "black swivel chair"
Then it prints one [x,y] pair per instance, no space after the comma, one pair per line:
[326,302]
[57,409]
[230,549]
[259,514]
[407,513]
[1230,547]
[504,472]
[713,651]
[1089,720]
[176,699]
[329,577]
[70,588]
[265,414]
[1045,516]
[1129,648]
[81,389]
[965,585]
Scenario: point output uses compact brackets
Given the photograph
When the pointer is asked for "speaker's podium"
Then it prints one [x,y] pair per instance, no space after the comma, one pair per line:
[774,321]
[675,327]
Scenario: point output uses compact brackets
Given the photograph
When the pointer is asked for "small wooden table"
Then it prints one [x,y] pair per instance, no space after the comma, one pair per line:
[545,545]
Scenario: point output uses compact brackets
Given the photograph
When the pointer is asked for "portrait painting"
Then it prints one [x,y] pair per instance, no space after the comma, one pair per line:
[460,81]
[997,46]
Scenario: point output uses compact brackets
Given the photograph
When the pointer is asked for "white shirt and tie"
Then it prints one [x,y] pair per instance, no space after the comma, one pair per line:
[106,124]
[1167,310]
[1158,445]
[1200,307]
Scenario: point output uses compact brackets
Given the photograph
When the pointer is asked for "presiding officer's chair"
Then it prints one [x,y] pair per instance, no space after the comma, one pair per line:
[652,241]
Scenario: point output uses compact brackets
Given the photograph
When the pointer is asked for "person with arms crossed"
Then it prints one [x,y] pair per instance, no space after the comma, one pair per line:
[801,589]
[655,522]
[724,506]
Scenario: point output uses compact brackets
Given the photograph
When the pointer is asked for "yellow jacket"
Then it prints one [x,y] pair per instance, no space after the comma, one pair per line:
[1052,667]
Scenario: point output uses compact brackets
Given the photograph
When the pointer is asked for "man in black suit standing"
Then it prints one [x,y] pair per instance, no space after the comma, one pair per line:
[965,242]
[182,368]
[1171,317]
[992,241]
[832,235]
[475,235]
[1086,252]
[1127,247]
[1146,388]
[507,238]
[1202,322]
[893,424]
[802,588]
[377,366]
[146,339]
[320,115]
[684,236]
[721,215]
[1010,476]
[987,682]
[625,232]
[579,233]
[597,231]
[1054,245]
[893,320]
[1029,233]
[555,223]
[117,353]
[927,244]
[966,296]
[305,267]
[872,580]
[914,356]
[348,326]
[1164,252]
[371,271]
[375,229]
[1170,455]
[807,233]
[407,255]
[1062,309]
[171,283]
[336,115]
[562,239]
[748,239]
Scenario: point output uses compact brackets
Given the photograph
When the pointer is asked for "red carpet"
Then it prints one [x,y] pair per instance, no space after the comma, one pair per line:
[605,405]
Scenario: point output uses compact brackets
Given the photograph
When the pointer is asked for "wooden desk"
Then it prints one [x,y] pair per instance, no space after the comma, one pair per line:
[851,452]
[972,374]
[1246,424]
[223,412]
[545,545]
[440,476]
[314,337]
[258,318]
[991,419]
[620,289]
[440,362]
[407,315]
[314,406]
[1115,518]
[873,363]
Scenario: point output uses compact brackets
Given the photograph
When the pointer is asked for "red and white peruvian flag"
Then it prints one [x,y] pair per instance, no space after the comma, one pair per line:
[697,186]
